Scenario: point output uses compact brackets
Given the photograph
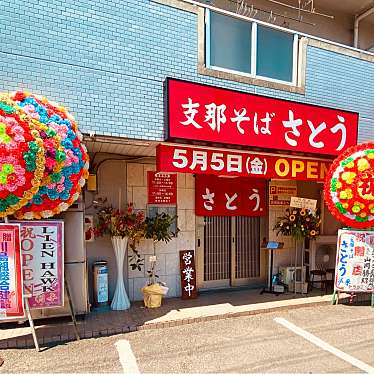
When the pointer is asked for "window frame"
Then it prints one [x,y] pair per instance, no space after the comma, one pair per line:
[253,73]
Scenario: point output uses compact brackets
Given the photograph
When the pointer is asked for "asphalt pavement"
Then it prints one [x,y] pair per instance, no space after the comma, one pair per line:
[341,340]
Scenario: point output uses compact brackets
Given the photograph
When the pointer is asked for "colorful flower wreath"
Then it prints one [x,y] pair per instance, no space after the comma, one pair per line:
[22,157]
[66,162]
[349,186]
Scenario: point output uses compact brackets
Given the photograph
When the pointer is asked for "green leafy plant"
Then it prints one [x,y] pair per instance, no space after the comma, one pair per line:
[299,223]
[157,228]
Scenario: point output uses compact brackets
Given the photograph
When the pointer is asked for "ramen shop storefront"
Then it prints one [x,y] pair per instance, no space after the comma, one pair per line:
[248,154]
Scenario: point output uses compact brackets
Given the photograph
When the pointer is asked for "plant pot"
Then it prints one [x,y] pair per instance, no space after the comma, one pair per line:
[152,295]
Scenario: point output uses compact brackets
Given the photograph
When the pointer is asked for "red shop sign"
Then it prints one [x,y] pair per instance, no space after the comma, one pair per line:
[198,160]
[162,188]
[201,112]
[215,196]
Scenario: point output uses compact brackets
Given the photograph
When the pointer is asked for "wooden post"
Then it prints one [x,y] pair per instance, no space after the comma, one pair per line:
[31,322]
[71,307]
[372,300]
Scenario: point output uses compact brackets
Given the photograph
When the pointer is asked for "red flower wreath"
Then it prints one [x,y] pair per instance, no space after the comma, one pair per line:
[22,158]
[349,186]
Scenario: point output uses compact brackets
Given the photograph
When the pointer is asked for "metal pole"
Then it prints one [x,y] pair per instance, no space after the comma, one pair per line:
[294,273]
[31,322]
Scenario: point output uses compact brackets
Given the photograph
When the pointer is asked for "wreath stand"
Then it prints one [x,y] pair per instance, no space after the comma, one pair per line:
[336,296]
[31,321]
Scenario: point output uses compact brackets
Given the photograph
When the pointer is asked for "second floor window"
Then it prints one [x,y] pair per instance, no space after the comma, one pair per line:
[247,48]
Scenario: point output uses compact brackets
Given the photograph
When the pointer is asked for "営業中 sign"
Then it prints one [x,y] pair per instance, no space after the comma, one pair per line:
[11,293]
[215,196]
[188,274]
[218,115]
[198,160]
[162,188]
[355,261]
[281,195]
[42,245]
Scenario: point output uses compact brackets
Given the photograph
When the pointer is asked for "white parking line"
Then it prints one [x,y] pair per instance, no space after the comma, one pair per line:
[126,357]
[327,347]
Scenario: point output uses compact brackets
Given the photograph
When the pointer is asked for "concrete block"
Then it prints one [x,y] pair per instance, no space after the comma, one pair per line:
[181,180]
[190,181]
[181,223]
[135,175]
[186,198]
[186,240]
[190,220]
[170,247]
[140,197]
[172,263]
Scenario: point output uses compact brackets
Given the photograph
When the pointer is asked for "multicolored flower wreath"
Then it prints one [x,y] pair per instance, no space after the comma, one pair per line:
[349,187]
[22,158]
[67,158]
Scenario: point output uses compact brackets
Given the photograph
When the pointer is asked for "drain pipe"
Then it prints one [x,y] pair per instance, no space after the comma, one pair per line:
[358,18]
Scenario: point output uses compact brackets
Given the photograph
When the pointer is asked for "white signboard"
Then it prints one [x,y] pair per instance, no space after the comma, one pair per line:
[300,202]
[355,261]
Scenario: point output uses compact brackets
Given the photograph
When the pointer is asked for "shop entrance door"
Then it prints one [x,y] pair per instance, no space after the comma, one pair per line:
[228,251]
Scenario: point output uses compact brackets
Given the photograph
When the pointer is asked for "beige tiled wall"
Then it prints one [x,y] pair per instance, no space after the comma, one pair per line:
[167,253]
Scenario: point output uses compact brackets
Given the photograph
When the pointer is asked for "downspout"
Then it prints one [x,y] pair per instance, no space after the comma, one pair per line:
[358,18]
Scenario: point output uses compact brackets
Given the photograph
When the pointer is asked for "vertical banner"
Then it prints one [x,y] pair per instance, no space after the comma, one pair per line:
[42,244]
[11,295]
[355,261]
[188,274]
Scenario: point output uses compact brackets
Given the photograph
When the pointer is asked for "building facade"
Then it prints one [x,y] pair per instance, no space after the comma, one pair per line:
[108,63]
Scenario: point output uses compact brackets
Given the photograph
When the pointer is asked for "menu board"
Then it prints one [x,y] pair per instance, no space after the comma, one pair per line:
[162,188]
[355,261]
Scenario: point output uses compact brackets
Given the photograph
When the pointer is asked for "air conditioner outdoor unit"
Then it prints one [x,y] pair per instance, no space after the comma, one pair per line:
[288,274]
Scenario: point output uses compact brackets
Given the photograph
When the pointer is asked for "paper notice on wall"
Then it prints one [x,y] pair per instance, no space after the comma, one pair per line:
[300,202]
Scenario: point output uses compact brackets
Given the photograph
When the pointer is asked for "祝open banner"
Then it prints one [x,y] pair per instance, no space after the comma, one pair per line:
[42,244]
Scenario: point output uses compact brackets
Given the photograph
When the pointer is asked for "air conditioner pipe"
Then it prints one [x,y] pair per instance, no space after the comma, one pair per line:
[359,18]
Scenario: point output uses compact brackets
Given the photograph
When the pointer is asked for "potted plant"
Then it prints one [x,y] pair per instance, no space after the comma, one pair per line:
[122,226]
[157,229]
